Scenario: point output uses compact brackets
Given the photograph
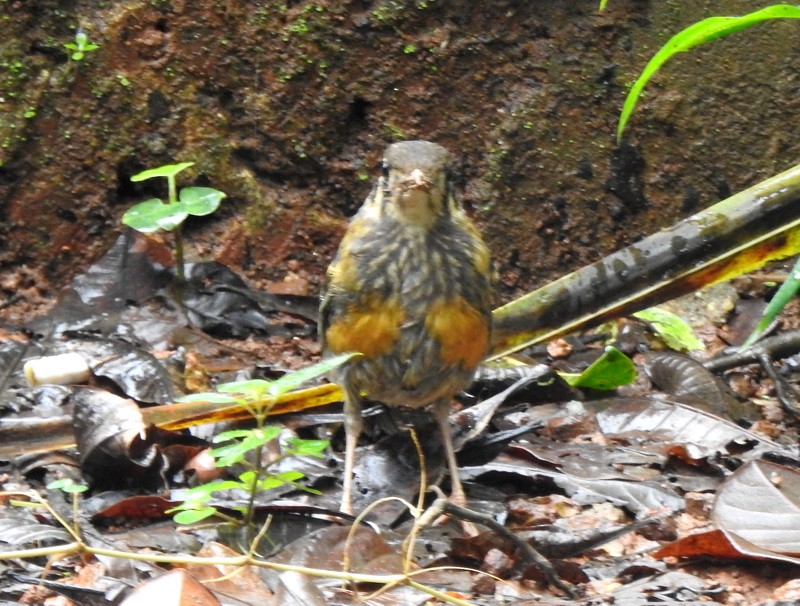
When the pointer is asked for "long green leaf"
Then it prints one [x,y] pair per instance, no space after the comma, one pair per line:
[727,239]
[295,379]
[785,293]
[694,35]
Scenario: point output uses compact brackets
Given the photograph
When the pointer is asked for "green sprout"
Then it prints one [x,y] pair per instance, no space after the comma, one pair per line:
[81,46]
[75,489]
[68,485]
[245,446]
[153,215]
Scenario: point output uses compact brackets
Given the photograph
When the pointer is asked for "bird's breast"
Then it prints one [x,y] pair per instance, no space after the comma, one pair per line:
[417,305]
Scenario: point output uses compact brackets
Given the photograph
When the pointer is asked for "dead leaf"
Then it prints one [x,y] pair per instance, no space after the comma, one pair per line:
[641,498]
[758,509]
[241,583]
[138,507]
[700,433]
[176,588]
[19,528]
[295,589]
[690,382]
[712,543]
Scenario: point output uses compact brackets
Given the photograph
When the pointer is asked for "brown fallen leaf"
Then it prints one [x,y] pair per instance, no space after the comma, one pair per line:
[758,509]
[152,507]
[712,543]
[242,583]
[176,588]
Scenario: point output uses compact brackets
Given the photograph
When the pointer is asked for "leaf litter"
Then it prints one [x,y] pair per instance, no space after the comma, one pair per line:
[624,495]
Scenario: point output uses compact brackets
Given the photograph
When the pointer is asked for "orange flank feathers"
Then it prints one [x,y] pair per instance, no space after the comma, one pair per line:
[462,331]
[372,327]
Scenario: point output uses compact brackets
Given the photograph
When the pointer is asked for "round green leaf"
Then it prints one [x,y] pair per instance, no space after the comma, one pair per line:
[75,488]
[140,216]
[673,330]
[190,516]
[152,215]
[68,485]
[168,170]
[607,372]
[200,201]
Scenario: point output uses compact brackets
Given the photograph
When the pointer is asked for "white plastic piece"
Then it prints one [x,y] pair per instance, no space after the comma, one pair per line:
[63,369]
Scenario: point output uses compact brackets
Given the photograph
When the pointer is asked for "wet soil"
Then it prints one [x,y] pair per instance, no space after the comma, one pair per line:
[287,106]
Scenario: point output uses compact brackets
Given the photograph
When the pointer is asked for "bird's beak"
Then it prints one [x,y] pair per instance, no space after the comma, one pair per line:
[416,180]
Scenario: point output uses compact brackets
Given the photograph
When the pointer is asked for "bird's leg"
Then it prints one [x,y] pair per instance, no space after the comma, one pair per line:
[441,411]
[353,423]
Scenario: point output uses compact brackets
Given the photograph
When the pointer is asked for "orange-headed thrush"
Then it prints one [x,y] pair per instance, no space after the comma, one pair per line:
[410,288]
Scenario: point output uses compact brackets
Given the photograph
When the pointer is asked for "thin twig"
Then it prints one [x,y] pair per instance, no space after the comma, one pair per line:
[443,506]
[764,353]
[780,346]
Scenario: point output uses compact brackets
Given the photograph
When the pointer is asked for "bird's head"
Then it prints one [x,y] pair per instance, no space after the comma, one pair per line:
[415,186]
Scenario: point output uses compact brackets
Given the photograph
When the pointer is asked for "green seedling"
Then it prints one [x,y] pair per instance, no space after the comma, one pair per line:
[81,46]
[694,35]
[70,487]
[154,215]
[244,447]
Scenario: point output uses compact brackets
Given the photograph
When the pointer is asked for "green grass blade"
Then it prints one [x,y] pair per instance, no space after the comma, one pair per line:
[694,35]
[212,397]
[253,388]
[785,293]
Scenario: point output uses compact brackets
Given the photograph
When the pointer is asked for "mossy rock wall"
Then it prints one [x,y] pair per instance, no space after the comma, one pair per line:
[287,106]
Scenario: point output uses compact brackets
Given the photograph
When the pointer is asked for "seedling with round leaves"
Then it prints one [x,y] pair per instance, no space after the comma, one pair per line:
[245,446]
[81,46]
[73,488]
[154,215]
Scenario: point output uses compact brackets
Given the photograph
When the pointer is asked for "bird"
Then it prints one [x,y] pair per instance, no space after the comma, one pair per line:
[410,289]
